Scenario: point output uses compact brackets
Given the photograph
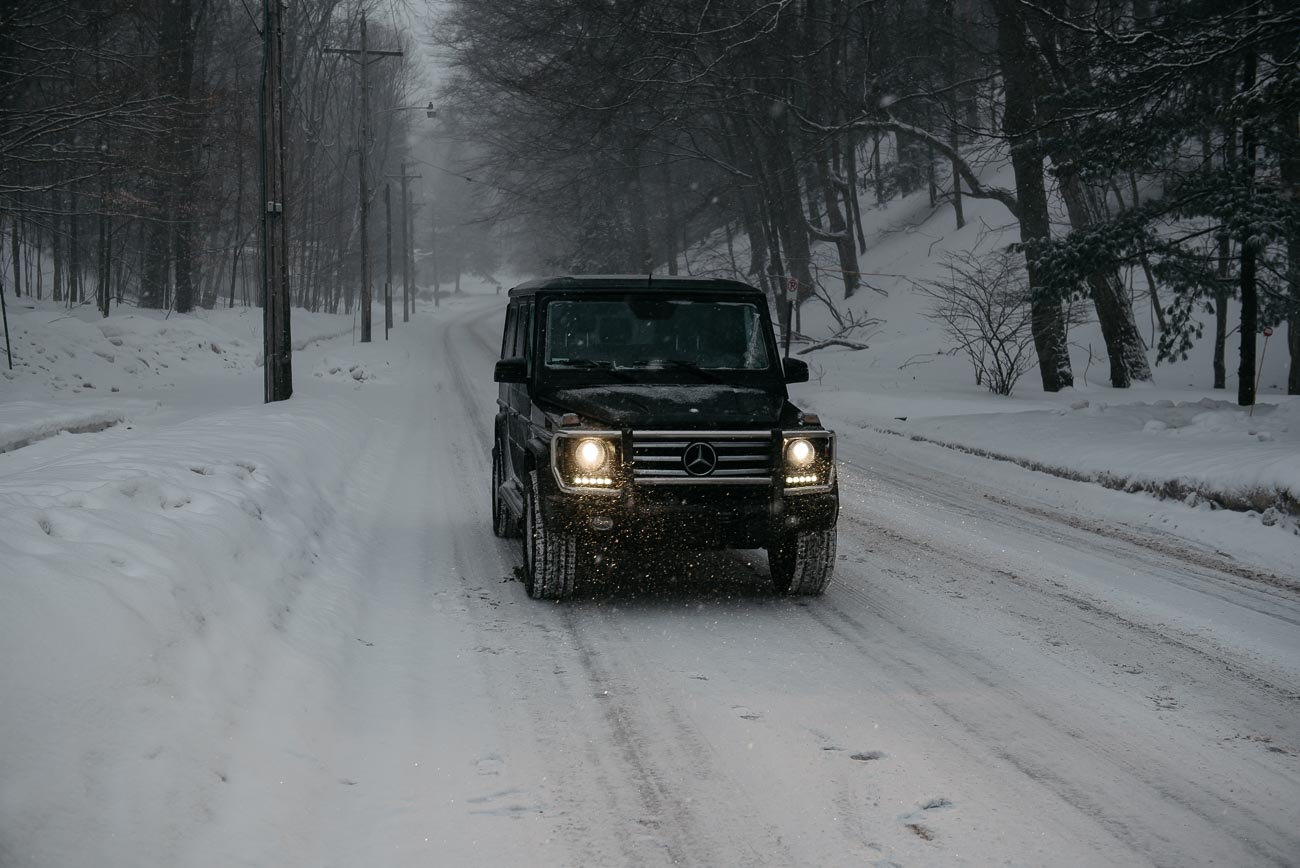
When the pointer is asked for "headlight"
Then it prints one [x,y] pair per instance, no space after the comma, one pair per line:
[591,454]
[588,462]
[799,454]
[808,461]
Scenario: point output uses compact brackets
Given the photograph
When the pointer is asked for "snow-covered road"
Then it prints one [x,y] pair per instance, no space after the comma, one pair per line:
[999,674]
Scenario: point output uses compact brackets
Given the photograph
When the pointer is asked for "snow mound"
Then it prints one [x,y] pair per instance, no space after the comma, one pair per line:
[74,352]
[1207,451]
[25,422]
[143,584]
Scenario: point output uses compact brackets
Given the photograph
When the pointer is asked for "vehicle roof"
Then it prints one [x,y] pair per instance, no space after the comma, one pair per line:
[603,282]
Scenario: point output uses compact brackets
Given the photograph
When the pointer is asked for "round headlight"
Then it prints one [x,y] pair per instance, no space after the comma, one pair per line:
[590,454]
[799,454]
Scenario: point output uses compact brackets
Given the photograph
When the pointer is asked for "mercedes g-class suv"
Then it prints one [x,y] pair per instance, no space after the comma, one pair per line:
[642,411]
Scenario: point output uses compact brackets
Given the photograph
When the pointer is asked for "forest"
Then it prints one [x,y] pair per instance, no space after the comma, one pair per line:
[130,156]
[1153,149]
[1159,137]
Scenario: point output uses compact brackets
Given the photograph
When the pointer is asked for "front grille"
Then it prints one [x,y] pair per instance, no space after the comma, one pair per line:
[742,457]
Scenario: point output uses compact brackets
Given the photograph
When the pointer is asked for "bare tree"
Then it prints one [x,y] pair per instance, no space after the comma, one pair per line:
[984,309]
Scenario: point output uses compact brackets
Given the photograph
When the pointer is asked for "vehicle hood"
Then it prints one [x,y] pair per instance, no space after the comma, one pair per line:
[669,407]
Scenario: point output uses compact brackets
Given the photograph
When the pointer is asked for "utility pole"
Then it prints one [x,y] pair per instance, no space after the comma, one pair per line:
[408,234]
[433,256]
[4,314]
[388,284]
[408,260]
[277,346]
[363,57]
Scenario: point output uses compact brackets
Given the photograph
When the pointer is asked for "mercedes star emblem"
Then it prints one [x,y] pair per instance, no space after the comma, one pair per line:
[700,459]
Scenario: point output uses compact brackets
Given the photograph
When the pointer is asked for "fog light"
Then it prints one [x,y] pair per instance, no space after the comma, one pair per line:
[601,522]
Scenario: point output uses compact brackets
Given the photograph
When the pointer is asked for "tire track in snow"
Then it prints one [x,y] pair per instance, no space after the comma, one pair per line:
[909,636]
[627,755]
[1155,777]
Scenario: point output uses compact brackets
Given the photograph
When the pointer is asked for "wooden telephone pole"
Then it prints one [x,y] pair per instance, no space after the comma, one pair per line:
[277,346]
[388,282]
[363,57]
[408,236]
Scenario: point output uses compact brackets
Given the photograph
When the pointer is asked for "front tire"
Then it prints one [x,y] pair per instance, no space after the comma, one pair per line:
[502,524]
[550,556]
[802,562]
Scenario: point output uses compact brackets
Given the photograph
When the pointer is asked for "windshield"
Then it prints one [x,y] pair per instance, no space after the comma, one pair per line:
[655,333]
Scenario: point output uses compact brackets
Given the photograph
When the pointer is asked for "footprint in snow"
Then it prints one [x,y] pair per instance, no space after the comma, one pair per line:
[489,765]
[912,823]
[925,833]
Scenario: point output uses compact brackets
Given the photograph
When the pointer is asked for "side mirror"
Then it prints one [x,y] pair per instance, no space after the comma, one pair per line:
[515,370]
[796,370]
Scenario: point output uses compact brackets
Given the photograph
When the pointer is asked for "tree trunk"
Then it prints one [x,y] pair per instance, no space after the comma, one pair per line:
[18,260]
[876,173]
[1221,296]
[179,144]
[931,184]
[838,228]
[953,127]
[56,247]
[1293,323]
[1290,164]
[1019,121]
[75,296]
[1124,345]
[1153,289]
[670,227]
[153,275]
[643,257]
[789,213]
[1249,298]
[851,194]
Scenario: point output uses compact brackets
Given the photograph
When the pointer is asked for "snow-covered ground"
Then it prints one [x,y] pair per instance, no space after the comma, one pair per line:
[238,634]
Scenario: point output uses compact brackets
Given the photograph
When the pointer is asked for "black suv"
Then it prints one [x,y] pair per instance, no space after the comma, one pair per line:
[640,411]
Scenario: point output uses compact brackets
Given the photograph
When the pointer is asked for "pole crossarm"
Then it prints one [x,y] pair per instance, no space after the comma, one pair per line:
[368,52]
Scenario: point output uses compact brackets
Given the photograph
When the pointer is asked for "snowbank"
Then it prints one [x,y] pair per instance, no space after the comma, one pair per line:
[143,583]
[76,352]
[1207,450]
[145,569]
[25,422]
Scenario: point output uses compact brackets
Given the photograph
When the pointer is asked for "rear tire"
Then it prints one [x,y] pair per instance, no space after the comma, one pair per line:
[550,557]
[502,523]
[802,562]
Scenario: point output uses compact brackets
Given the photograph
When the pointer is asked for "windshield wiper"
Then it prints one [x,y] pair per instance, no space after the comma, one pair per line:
[594,365]
[584,363]
[680,365]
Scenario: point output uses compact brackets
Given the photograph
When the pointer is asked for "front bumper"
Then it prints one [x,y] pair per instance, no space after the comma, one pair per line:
[690,516]
[648,497]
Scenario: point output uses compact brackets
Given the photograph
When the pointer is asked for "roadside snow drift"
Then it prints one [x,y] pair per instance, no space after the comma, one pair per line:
[143,585]
[1198,451]
[25,422]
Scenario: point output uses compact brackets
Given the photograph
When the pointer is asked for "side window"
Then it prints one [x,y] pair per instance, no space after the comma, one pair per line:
[508,336]
[522,330]
[526,333]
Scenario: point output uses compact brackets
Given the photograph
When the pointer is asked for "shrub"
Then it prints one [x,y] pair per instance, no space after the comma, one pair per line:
[984,309]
